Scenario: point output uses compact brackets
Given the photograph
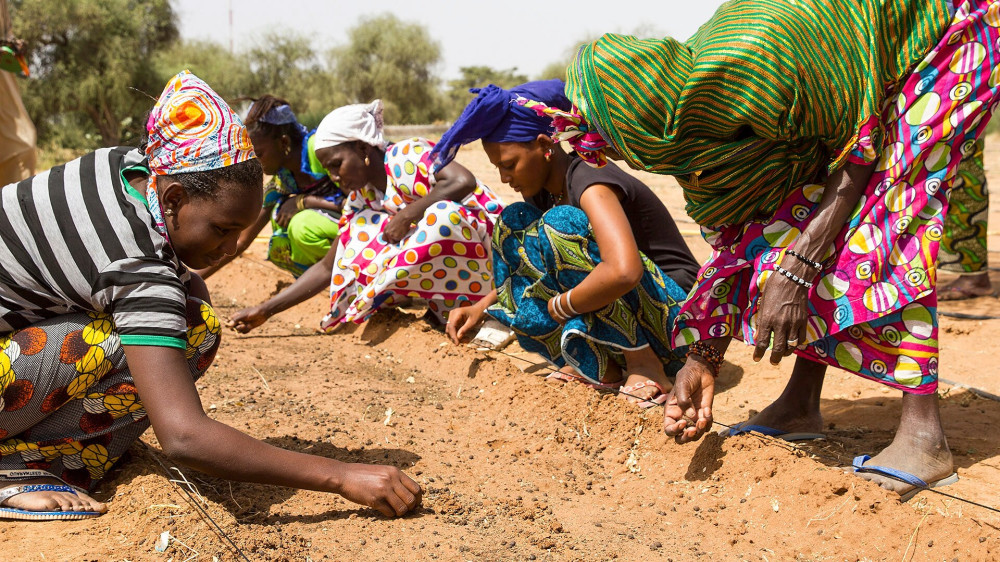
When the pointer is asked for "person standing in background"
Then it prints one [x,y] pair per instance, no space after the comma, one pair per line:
[17,132]
[963,247]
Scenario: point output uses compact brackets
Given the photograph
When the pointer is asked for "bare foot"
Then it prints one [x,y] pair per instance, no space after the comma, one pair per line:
[797,409]
[49,501]
[924,456]
[789,417]
[967,286]
[646,379]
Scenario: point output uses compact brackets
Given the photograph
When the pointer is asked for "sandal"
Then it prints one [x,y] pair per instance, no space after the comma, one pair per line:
[657,400]
[918,485]
[29,515]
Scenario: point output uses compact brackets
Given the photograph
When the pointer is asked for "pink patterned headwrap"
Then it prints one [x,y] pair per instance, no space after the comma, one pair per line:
[192,129]
[570,126]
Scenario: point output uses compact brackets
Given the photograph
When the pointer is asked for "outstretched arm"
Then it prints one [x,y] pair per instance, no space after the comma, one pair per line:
[308,285]
[782,310]
[190,437]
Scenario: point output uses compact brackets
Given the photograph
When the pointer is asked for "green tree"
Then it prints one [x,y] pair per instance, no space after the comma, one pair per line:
[557,68]
[458,95]
[93,58]
[282,65]
[389,59]
[285,65]
[229,74]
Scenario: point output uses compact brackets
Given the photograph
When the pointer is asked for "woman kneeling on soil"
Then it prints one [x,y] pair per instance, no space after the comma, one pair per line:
[301,203]
[590,271]
[104,331]
[821,182]
[406,233]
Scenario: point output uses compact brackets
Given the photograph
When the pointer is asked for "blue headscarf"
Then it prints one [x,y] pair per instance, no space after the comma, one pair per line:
[283,115]
[494,117]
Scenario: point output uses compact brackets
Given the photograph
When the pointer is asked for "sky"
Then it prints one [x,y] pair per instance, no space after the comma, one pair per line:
[511,34]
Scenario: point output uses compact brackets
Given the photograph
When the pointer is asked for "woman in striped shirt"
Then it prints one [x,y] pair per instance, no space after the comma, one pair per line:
[816,142]
[97,309]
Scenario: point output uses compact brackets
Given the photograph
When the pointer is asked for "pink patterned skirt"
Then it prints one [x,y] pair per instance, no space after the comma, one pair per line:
[873,309]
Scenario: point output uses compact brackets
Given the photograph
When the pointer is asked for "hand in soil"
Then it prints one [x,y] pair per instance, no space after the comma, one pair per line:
[384,488]
[461,321]
[248,319]
[50,501]
[687,415]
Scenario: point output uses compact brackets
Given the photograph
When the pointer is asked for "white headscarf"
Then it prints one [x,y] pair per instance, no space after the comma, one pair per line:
[358,122]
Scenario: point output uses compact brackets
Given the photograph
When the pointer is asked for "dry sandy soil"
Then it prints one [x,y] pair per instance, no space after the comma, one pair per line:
[515,467]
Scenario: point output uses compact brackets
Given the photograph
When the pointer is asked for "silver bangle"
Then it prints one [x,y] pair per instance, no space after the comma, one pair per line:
[558,307]
[569,302]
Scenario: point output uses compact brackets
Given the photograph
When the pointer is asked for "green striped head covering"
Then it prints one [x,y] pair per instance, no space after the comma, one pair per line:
[766,96]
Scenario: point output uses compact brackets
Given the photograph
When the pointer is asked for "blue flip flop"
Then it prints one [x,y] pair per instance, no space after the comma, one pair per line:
[27,515]
[745,428]
[918,484]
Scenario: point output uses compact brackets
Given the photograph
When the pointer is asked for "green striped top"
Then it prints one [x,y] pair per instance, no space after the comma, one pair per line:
[767,95]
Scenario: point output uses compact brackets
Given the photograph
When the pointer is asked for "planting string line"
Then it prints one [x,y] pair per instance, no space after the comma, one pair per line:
[767,438]
[965,316]
[972,389]
[194,501]
[772,440]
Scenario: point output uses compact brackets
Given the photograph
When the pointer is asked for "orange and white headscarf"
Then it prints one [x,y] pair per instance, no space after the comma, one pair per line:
[192,129]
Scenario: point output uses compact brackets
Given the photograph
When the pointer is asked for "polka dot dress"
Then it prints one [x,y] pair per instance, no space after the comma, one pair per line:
[444,259]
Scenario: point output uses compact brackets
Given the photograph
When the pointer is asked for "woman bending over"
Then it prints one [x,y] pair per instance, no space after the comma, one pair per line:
[406,232]
[103,330]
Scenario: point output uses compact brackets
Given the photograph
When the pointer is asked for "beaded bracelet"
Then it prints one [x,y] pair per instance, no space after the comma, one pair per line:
[813,264]
[793,277]
[707,352]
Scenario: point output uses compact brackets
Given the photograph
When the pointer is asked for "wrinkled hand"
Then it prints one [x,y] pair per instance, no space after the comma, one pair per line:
[782,312]
[287,211]
[687,415]
[248,319]
[399,226]
[384,488]
[462,320]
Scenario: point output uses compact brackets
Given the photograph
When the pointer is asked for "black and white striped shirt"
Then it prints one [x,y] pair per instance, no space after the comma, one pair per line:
[80,238]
